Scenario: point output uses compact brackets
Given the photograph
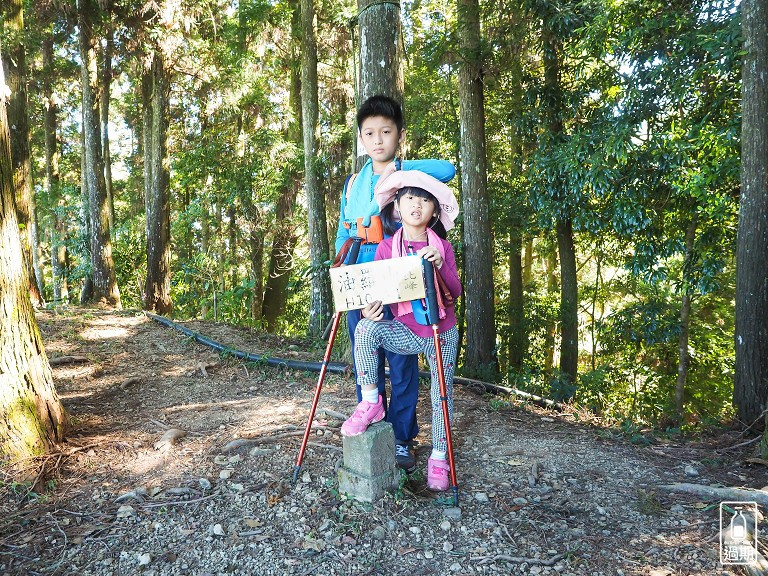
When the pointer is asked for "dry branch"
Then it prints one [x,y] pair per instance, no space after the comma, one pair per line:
[720,494]
[60,360]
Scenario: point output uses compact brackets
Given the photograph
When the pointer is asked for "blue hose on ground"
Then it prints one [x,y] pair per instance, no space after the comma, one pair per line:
[336,367]
[341,367]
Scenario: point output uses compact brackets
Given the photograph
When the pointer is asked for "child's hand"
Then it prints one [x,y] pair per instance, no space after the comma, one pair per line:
[374,311]
[432,254]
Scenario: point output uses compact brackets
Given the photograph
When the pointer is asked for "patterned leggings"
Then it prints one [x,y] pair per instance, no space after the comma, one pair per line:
[396,337]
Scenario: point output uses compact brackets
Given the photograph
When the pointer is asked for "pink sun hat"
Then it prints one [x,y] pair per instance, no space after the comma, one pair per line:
[392,180]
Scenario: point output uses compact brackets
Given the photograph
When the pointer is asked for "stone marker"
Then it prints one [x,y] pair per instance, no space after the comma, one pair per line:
[369,464]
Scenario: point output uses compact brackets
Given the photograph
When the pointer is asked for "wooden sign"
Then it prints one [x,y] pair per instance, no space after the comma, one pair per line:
[393,280]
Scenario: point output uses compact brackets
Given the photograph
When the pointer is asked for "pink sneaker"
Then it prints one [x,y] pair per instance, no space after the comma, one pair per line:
[437,474]
[364,415]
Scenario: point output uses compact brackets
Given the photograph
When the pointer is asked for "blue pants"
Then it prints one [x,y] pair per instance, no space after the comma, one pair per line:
[404,383]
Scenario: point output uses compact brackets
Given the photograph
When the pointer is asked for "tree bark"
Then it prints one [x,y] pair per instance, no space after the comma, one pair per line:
[569,312]
[284,238]
[52,178]
[15,66]
[157,285]
[234,279]
[280,258]
[480,343]
[569,298]
[751,385]
[528,262]
[518,337]
[320,298]
[86,289]
[685,319]
[550,264]
[381,59]
[105,289]
[106,83]
[256,242]
[30,410]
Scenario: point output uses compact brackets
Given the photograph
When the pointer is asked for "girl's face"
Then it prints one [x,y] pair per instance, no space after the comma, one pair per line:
[381,138]
[415,211]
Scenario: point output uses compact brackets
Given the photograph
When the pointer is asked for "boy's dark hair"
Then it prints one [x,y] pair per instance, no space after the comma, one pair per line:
[380,106]
[387,215]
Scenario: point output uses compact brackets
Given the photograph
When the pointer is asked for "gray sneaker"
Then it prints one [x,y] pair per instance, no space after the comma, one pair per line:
[405,456]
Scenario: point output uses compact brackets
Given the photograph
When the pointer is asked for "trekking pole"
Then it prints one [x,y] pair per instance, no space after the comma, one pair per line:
[433,318]
[353,252]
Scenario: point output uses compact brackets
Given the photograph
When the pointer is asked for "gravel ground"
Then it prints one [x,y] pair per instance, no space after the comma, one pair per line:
[151,481]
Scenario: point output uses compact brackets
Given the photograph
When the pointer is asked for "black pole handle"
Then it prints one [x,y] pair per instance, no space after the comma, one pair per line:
[433,315]
[354,251]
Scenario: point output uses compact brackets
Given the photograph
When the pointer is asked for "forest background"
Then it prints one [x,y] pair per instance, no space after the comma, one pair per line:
[167,172]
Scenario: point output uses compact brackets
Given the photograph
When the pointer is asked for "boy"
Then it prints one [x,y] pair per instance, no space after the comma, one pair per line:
[380,126]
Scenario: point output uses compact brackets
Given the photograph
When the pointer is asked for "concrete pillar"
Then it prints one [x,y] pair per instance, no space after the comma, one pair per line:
[369,467]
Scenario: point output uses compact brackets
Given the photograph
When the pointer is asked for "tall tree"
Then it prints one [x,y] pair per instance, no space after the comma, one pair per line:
[569,318]
[15,65]
[157,285]
[480,343]
[751,386]
[381,69]
[106,84]
[31,413]
[105,287]
[281,261]
[59,256]
[320,298]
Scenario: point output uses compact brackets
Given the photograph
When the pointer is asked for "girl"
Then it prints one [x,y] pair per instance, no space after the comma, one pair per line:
[426,208]
[381,132]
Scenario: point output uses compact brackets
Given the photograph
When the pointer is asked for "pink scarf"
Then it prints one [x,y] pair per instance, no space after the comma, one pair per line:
[398,251]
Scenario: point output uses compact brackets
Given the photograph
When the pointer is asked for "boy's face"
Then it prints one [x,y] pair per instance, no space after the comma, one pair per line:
[381,138]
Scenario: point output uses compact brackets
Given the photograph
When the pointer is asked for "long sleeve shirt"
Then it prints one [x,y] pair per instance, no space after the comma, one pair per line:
[450,276]
[362,204]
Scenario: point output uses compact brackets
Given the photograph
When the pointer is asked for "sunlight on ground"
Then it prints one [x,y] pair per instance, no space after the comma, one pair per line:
[105,328]
[96,333]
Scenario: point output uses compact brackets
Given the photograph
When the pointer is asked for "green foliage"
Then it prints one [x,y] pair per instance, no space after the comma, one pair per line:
[637,142]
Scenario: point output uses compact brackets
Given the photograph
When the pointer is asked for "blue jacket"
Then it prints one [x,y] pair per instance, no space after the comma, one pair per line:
[361,203]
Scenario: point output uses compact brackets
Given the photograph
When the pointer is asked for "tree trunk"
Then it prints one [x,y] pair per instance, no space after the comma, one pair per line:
[205,246]
[550,264]
[569,313]
[157,285]
[280,258]
[751,385]
[480,343]
[15,66]
[52,179]
[528,262]
[106,83]
[184,239]
[685,316]
[86,289]
[30,410]
[234,280]
[105,289]
[320,299]
[284,238]
[381,59]
[518,337]
[256,242]
[595,296]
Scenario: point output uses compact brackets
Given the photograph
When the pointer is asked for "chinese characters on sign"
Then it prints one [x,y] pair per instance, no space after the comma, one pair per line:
[393,280]
[738,532]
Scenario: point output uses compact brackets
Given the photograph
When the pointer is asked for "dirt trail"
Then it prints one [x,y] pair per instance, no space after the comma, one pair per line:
[541,493]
